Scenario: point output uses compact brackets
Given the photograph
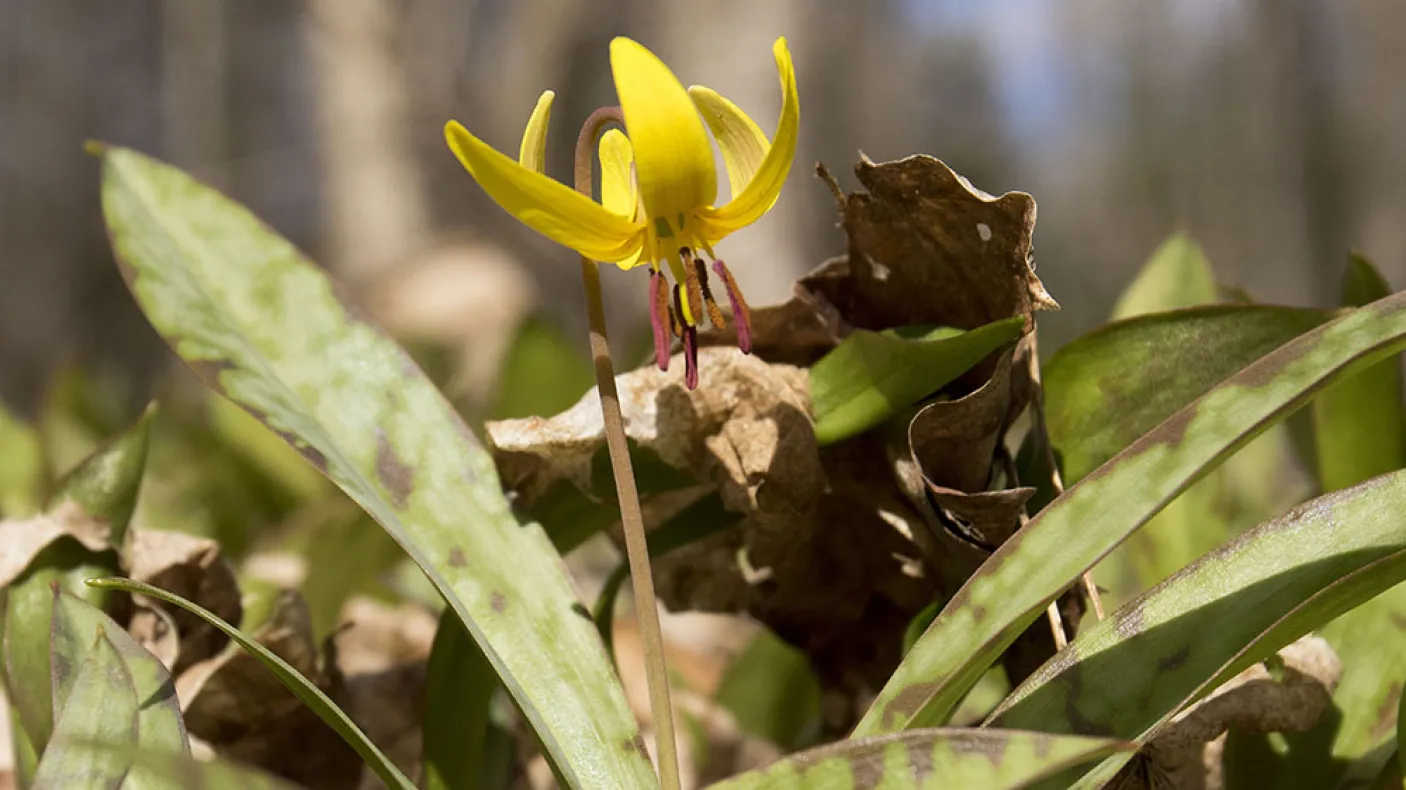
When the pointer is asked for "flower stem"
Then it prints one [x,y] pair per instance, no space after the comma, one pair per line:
[636,547]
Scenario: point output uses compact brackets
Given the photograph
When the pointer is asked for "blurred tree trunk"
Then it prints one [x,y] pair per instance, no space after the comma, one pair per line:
[374,210]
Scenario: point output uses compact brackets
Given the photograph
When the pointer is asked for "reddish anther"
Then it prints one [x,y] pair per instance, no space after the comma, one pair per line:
[659,319]
[740,313]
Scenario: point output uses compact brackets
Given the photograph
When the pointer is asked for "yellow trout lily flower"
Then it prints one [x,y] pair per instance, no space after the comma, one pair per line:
[658,188]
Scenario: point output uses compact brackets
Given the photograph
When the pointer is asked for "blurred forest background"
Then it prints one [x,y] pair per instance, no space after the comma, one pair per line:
[1274,132]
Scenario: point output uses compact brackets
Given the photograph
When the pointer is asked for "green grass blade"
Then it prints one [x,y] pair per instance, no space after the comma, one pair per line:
[304,689]
[872,375]
[1017,582]
[928,760]
[262,325]
[459,685]
[101,708]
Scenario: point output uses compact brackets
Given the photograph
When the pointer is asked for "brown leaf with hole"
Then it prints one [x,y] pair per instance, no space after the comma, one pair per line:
[191,567]
[927,247]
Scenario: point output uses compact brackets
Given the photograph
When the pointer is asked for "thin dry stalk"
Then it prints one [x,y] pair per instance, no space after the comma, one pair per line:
[632,521]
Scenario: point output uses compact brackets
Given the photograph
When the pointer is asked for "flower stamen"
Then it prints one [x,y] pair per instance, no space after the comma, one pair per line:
[715,314]
[740,313]
[689,333]
[661,317]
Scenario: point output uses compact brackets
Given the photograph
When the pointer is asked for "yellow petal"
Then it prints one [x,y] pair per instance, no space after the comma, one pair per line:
[617,181]
[548,207]
[742,143]
[673,159]
[762,190]
[532,154]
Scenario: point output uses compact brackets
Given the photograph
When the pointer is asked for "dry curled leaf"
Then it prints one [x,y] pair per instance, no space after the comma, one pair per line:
[192,568]
[1185,755]
[21,540]
[927,247]
[236,706]
[813,555]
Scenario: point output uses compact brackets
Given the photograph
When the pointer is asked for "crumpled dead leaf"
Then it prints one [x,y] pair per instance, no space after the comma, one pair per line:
[191,567]
[927,247]
[155,629]
[233,704]
[21,540]
[812,557]
[1186,754]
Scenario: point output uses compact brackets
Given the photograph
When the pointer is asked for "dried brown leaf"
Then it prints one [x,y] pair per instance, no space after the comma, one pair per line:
[21,540]
[816,556]
[927,247]
[241,710]
[192,568]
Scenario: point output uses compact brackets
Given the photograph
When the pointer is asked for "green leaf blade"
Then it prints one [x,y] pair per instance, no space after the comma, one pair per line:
[929,759]
[871,376]
[459,685]
[1111,386]
[1126,676]
[160,726]
[263,326]
[95,497]
[1010,590]
[1176,275]
[102,708]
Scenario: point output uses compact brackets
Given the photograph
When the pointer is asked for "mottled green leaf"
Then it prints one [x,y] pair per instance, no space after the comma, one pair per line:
[301,687]
[1126,676]
[772,692]
[95,500]
[262,325]
[1016,583]
[160,727]
[930,759]
[187,773]
[101,708]
[21,466]
[243,435]
[1358,434]
[1107,388]
[872,375]
[1177,275]
[459,686]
